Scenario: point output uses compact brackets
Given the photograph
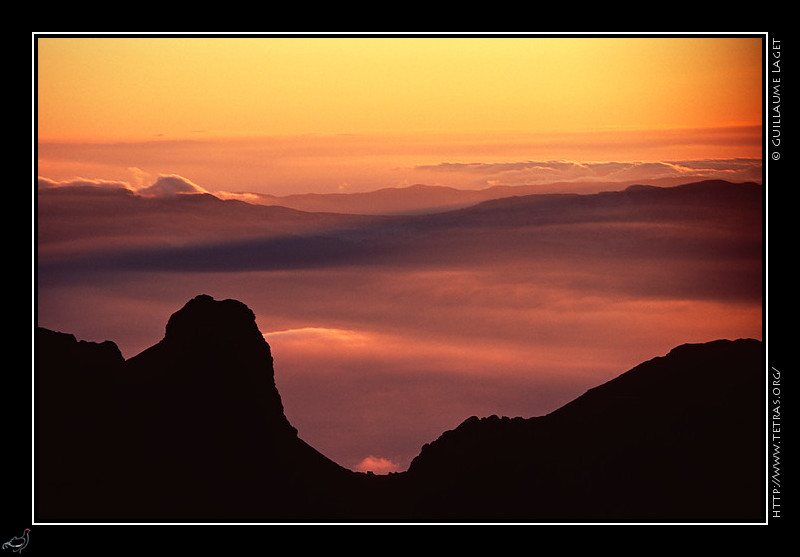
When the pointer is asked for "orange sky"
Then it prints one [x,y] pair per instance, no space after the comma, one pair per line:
[353,108]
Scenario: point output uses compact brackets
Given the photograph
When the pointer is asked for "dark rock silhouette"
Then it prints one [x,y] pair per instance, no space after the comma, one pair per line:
[678,438]
[193,430]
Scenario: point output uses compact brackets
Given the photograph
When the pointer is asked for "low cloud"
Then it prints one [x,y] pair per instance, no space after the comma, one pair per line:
[239,196]
[168,185]
[47,184]
[377,465]
[550,171]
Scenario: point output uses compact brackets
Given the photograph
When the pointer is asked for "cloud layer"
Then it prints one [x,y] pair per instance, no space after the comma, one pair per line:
[551,171]
[163,186]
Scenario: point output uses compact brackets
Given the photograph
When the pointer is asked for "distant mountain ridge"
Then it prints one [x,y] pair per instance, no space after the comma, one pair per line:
[423,199]
[201,231]
[192,429]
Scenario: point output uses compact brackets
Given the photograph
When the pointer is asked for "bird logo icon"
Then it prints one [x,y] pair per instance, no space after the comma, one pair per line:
[18,543]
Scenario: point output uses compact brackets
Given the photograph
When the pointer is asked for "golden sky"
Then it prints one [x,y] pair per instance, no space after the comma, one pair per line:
[139,88]
[355,107]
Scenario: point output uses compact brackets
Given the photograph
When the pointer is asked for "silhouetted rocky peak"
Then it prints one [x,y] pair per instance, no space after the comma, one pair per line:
[191,428]
[204,321]
[219,337]
[214,358]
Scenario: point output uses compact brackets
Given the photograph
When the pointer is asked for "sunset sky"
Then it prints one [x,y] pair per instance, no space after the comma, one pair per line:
[294,115]
[376,358]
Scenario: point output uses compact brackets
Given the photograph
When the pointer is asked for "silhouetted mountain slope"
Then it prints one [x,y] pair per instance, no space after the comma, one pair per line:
[193,429]
[678,438]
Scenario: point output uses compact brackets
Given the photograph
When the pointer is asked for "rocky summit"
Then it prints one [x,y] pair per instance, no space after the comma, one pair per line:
[191,429]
